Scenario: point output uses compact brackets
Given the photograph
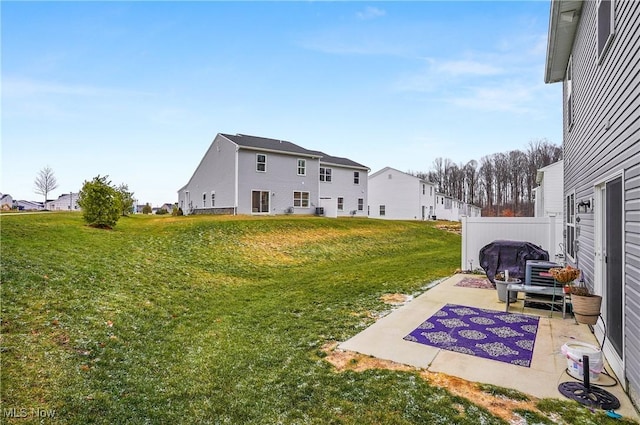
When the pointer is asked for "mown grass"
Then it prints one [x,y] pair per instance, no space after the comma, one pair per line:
[211,319]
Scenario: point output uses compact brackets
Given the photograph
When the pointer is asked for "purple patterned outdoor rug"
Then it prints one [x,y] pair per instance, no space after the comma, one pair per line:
[496,335]
[475,282]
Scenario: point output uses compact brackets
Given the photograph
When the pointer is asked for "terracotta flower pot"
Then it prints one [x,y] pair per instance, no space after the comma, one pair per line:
[586,309]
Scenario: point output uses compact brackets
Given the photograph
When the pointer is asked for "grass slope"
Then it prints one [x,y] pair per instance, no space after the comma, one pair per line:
[211,320]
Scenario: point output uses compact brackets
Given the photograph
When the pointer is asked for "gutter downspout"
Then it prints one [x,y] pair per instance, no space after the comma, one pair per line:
[235,202]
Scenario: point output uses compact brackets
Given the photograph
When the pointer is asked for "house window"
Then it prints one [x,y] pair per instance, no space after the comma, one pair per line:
[360,204]
[302,167]
[301,199]
[213,199]
[356,177]
[204,200]
[569,87]
[430,190]
[424,189]
[261,162]
[325,174]
[606,27]
[570,233]
[259,201]
[340,204]
[382,210]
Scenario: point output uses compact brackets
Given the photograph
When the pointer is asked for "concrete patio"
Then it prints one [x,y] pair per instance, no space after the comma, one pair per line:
[384,340]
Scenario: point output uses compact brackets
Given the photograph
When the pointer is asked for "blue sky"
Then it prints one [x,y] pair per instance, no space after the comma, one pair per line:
[138,90]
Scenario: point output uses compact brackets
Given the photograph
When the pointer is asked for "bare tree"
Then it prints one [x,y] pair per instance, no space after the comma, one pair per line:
[500,181]
[471,181]
[45,182]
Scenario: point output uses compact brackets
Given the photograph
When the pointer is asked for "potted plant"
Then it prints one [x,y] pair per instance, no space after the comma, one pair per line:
[586,306]
[501,281]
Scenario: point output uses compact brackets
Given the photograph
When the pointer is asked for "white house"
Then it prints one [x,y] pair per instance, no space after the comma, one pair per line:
[396,195]
[242,174]
[65,202]
[6,201]
[29,205]
[548,195]
[549,198]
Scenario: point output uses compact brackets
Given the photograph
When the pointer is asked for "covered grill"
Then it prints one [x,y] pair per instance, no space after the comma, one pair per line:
[501,255]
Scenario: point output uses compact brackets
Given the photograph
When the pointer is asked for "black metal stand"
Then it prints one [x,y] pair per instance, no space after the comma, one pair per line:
[584,393]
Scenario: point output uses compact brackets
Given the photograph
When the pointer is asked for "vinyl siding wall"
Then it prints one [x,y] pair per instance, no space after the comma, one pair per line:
[604,139]
[401,194]
[341,185]
[216,172]
[281,179]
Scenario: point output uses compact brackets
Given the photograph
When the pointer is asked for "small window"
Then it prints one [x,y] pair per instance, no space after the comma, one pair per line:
[325,174]
[204,200]
[606,21]
[340,204]
[356,177]
[382,210]
[302,167]
[424,189]
[261,163]
[213,199]
[301,199]
[570,225]
[360,204]
[390,176]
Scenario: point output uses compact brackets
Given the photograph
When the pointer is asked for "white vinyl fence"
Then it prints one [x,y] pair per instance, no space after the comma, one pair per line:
[480,231]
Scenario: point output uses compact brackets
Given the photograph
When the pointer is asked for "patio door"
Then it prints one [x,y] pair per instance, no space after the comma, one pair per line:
[609,269]
[259,201]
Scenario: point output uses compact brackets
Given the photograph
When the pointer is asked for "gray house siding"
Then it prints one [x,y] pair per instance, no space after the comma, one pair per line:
[280,180]
[603,140]
[342,186]
[215,173]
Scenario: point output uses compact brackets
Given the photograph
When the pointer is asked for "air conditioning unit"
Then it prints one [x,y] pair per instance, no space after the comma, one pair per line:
[533,270]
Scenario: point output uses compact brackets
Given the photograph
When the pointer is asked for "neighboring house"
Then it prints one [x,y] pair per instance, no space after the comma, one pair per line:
[593,50]
[6,201]
[447,208]
[470,210]
[28,205]
[549,198]
[242,174]
[395,195]
[168,207]
[66,202]
[344,186]
[548,195]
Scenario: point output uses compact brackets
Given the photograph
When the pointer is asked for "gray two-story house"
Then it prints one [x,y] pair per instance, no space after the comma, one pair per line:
[594,51]
[242,174]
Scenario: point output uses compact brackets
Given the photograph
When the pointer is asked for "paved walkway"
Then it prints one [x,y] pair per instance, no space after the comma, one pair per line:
[384,340]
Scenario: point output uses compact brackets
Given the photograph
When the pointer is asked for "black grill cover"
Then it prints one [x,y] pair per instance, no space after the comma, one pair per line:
[499,256]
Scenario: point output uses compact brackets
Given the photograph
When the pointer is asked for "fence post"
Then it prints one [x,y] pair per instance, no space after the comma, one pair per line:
[465,238]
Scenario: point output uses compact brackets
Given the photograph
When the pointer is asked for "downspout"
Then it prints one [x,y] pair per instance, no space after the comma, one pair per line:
[235,205]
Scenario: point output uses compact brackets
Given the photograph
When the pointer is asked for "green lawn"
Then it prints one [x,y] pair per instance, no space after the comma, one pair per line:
[211,320]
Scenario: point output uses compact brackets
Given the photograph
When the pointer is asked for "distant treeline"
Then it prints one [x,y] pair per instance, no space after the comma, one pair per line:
[502,183]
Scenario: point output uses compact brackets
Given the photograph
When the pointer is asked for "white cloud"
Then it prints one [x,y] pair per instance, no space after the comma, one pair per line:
[370,12]
[510,97]
[467,67]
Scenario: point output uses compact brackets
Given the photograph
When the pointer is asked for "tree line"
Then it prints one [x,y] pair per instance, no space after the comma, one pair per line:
[501,183]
